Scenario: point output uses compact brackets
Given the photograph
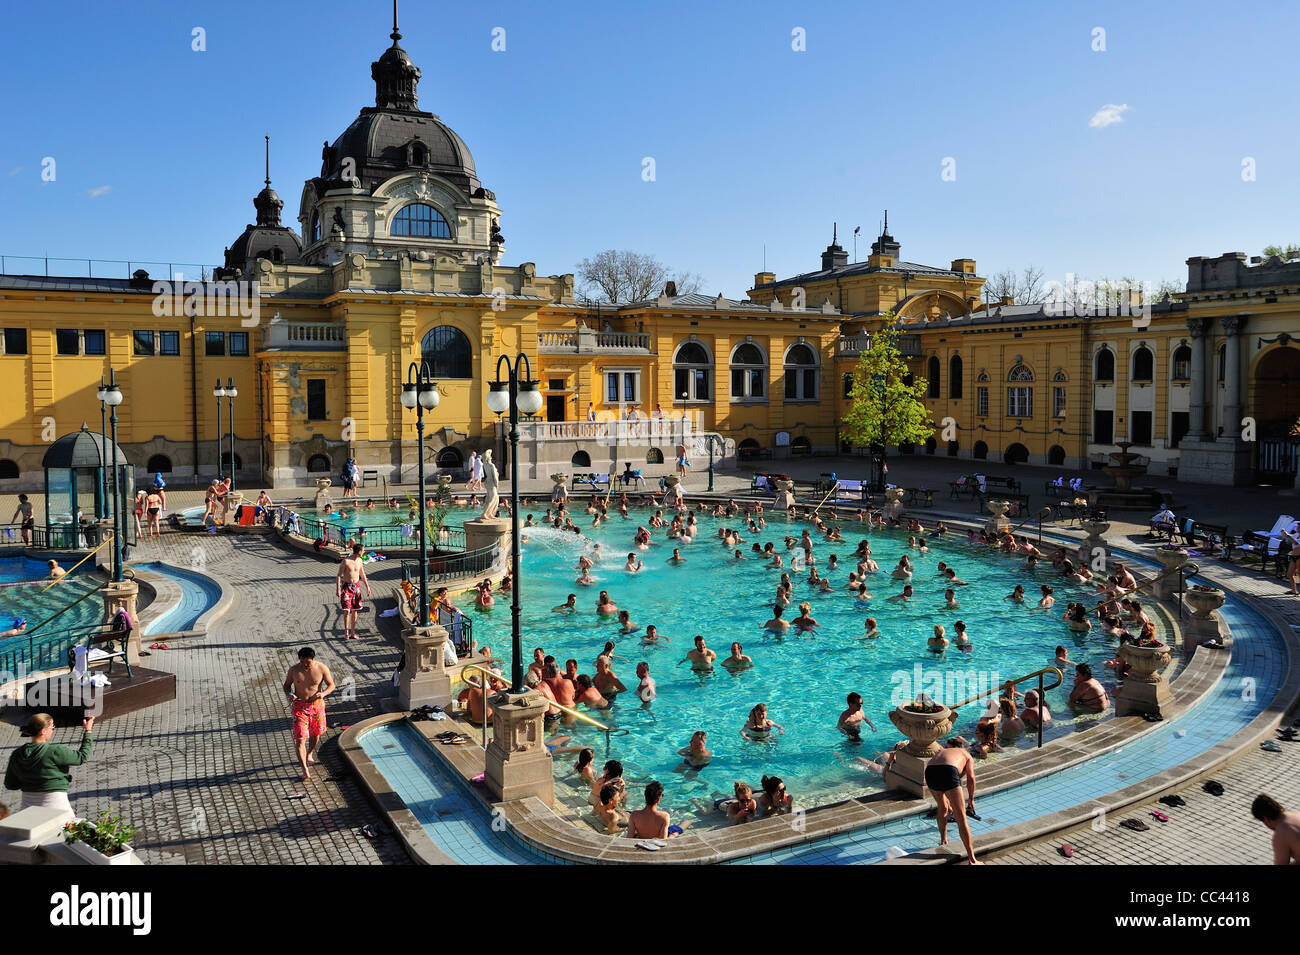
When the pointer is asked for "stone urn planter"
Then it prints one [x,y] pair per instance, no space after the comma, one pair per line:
[1144,661]
[1093,542]
[923,730]
[998,522]
[233,502]
[672,480]
[894,502]
[323,495]
[784,494]
[560,491]
[1203,603]
[1170,558]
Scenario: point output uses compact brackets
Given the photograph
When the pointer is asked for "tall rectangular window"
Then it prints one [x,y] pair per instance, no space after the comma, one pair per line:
[169,343]
[143,342]
[214,343]
[96,341]
[1103,427]
[1058,402]
[239,343]
[15,341]
[982,402]
[1020,402]
[1179,423]
[316,399]
[67,341]
[1140,428]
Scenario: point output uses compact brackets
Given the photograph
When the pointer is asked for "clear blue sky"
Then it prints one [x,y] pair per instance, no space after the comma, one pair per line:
[754,143]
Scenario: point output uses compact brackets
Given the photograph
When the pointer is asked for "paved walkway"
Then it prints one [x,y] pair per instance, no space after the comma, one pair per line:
[206,779]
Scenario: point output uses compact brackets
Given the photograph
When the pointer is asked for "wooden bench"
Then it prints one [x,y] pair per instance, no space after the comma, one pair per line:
[111,644]
[754,454]
[1019,506]
[1213,537]
[369,476]
[1253,543]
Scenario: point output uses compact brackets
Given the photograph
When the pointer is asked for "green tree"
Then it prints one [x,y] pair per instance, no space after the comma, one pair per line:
[1291,251]
[884,408]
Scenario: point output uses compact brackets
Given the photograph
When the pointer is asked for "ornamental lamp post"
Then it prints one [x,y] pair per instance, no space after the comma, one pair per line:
[231,393]
[515,394]
[103,439]
[113,398]
[421,393]
[219,392]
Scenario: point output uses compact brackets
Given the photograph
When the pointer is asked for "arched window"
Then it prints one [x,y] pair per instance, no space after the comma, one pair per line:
[654,456]
[1104,365]
[801,373]
[449,458]
[448,352]
[9,469]
[692,372]
[159,464]
[318,464]
[954,377]
[932,373]
[748,372]
[981,450]
[1020,395]
[420,221]
[1144,364]
[580,459]
[1182,363]
[1056,455]
[1016,454]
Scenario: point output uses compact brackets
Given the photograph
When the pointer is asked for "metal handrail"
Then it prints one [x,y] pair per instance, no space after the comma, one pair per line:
[1188,569]
[559,706]
[112,535]
[835,486]
[1060,678]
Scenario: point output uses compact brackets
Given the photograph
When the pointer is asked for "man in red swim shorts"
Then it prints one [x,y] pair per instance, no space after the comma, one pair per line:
[307,685]
[348,584]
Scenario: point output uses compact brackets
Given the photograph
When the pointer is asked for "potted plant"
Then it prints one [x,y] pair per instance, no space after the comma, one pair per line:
[103,842]
[1203,600]
[922,721]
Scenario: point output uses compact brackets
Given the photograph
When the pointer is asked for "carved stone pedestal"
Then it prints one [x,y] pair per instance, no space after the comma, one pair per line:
[485,531]
[1205,622]
[1170,558]
[998,523]
[1092,546]
[424,679]
[518,763]
[1145,690]
[119,596]
[784,495]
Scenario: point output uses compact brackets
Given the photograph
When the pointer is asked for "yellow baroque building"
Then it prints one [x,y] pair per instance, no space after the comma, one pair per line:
[398,257]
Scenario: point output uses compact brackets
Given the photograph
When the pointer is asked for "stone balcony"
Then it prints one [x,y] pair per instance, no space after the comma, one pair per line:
[586,341]
[282,335]
[851,346]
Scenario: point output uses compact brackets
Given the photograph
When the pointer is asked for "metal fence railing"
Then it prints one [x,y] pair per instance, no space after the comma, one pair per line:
[47,650]
[375,535]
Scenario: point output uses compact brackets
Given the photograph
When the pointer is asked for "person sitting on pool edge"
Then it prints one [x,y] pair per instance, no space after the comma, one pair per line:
[652,822]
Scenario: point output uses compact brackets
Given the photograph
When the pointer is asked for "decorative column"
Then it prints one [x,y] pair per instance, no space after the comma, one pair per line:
[1196,428]
[424,678]
[1093,543]
[121,595]
[1233,326]
[518,764]
[485,531]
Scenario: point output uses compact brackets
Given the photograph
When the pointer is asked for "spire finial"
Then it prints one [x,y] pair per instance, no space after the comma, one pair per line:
[886,213]
[835,232]
[268,160]
[395,35]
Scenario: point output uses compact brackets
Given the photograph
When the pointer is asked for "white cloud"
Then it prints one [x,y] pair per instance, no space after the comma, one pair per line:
[98,191]
[1108,114]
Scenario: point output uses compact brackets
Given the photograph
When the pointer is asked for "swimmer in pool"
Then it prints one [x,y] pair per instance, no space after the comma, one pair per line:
[777,624]
[937,643]
[863,598]
[697,753]
[905,596]
[677,557]
[1017,595]
[652,636]
[632,565]
[758,726]
[605,607]
[904,569]
[851,720]
[605,681]
[646,688]
[1048,599]
[569,606]
[950,600]
[744,807]
[805,623]
[585,579]
[628,626]
[961,639]
[871,632]
[738,659]
[700,657]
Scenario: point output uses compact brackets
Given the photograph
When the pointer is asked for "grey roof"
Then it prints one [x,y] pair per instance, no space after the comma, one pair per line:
[720,303]
[860,268]
[81,449]
[62,283]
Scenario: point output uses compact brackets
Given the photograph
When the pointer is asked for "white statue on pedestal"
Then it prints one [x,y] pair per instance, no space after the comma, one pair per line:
[490,483]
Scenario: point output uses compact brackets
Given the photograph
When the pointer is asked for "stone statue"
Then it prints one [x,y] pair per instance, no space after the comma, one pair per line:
[490,483]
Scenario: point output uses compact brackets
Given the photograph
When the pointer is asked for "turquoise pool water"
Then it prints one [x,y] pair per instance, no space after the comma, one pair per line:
[199,594]
[24,593]
[803,678]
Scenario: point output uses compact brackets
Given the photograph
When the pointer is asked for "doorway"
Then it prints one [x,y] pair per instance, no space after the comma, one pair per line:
[555,405]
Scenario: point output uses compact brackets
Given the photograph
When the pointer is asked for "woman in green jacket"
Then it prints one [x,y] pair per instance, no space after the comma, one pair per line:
[40,768]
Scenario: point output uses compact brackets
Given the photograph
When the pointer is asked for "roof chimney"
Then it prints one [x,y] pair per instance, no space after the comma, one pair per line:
[834,256]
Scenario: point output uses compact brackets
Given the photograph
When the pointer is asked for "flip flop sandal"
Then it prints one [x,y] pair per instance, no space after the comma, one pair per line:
[1066,850]
[1159,815]
[296,796]
[974,815]
[1173,801]
[1270,747]
[1137,825]
[1213,787]
[369,831]
[1153,718]
[155,646]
